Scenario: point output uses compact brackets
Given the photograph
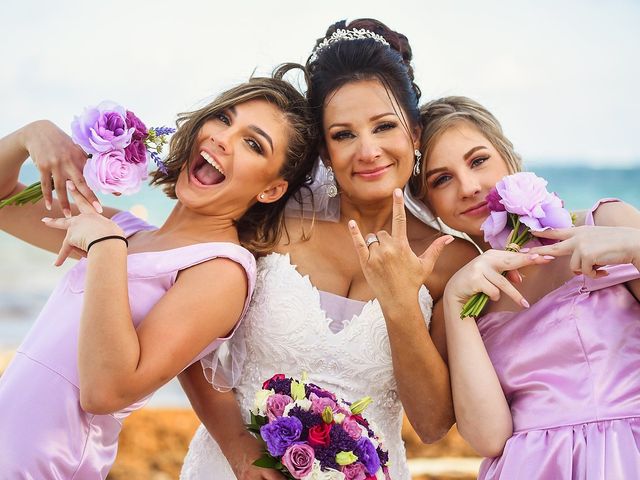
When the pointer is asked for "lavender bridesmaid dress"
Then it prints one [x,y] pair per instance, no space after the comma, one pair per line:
[44,433]
[570,370]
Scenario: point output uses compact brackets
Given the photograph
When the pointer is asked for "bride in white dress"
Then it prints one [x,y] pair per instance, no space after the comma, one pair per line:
[315,309]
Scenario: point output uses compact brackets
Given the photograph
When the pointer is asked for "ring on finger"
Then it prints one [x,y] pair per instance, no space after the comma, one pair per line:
[371,239]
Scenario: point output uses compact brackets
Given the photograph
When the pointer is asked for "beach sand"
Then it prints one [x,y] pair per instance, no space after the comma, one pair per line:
[154,442]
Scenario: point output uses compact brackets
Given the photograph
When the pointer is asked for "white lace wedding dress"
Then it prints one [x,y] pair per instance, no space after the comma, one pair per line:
[286,331]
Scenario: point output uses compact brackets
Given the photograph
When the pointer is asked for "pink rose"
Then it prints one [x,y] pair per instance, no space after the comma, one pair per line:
[298,459]
[352,428]
[318,404]
[276,404]
[355,471]
[111,173]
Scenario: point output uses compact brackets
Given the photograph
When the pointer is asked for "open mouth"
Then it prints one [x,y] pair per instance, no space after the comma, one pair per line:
[206,170]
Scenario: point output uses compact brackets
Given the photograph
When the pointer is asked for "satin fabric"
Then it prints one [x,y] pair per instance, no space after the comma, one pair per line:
[570,370]
[44,433]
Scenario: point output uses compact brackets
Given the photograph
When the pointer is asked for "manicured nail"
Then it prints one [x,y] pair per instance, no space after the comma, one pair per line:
[524,303]
[47,204]
[525,250]
[549,257]
[70,185]
[352,224]
[397,193]
[97,206]
[46,219]
[533,256]
[449,240]
[67,212]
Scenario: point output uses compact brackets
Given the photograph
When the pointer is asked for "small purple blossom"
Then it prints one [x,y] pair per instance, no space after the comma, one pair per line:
[280,434]
[163,130]
[367,454]
[282,386]
[159,163]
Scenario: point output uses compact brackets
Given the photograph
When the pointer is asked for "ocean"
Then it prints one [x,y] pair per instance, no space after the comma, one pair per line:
[28,275]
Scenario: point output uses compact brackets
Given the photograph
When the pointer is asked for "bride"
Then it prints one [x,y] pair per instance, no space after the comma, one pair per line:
[313,309]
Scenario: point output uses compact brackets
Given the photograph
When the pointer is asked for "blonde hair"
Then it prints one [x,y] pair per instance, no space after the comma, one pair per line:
[439,115]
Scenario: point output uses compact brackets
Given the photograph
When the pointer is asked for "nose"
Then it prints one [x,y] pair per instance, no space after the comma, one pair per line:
[369,150]
[469,185]
[222,140]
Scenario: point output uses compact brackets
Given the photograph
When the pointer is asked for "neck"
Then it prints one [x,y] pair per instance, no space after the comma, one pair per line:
[370,216]
[479,241]
[187,225]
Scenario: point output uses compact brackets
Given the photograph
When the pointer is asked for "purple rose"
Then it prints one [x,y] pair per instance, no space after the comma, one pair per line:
[136,152]
[555,215]
[276,404]
[367,454]
[495,229]
[111,173]
[298,459]
[280,434]
[524,194]
[494,201]
[355,471]
[352,428]
[318,404]
[102,129]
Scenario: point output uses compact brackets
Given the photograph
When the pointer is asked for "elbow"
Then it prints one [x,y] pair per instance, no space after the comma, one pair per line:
[100,400]
[431,432]
[490,444]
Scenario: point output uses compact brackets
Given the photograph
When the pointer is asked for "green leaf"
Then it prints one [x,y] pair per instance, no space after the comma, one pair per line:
[267,461]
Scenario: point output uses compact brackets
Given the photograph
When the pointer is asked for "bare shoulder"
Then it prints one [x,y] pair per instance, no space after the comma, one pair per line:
[617,214]
[207,275]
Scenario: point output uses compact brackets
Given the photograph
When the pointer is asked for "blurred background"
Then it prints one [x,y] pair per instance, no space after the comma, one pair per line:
[562,77]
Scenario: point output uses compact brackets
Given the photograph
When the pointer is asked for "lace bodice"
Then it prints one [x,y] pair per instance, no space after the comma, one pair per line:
[287,332]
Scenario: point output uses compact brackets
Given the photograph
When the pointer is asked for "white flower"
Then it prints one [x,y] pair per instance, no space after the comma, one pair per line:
[380,474]
[339,417]
[318,474]
[260,402]
[303,403]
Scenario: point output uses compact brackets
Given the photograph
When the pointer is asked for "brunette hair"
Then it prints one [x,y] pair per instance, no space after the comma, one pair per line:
[439,115]
[260,228]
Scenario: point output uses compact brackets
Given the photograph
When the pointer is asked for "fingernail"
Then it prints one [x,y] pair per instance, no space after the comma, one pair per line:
[533,256]
[525,250]
[67,212]
[397,193]
[45,219]
[352,224]
[70,185]
[449,240]
[97,206]
[47,204]
[524,303]
[549,257]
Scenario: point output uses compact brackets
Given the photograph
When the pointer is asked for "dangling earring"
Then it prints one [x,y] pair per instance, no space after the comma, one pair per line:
[331,187]
[416,167]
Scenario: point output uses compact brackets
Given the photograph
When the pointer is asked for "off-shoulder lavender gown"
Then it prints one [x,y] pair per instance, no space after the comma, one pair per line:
[44,433]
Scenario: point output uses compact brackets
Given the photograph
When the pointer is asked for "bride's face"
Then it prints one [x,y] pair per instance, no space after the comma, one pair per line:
[367,141]
[461,168]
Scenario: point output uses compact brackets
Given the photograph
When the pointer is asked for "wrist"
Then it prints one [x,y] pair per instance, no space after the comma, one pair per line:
[107,241]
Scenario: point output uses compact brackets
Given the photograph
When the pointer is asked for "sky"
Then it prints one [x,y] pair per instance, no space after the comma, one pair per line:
[561,76]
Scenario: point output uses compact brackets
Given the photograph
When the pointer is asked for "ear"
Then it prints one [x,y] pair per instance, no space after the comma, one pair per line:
[415,136]
[273,192]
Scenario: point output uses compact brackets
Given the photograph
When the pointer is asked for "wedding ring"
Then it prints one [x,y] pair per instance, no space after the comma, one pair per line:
[371,239]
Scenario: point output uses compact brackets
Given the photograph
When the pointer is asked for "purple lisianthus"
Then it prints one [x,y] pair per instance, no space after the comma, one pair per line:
[355,471]
[111,173]
[102,129]
[318,404]
[298,459]
[367,454]
[136,151]
[280,434]
[276,404]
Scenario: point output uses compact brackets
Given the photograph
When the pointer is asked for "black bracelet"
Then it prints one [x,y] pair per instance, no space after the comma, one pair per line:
[108,237]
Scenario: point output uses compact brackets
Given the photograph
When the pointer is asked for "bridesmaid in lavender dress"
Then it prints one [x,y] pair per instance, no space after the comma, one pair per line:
[550,391]
[115,328]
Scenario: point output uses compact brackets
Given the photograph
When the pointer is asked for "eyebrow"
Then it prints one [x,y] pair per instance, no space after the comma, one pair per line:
[372,119]
[256,129]
[465,156]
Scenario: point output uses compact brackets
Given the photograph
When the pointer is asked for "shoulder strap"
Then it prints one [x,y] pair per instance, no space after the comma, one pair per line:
[131,224]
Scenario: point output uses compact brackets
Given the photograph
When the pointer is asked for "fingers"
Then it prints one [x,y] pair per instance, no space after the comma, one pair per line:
[83,204]
[64,253]
[503,261]
[431,254]
[358,242]
[46,186]
[85,191]
[555,233]
[59,223]
[565,247]
[514,276]
[399,222]
[59,183]
[502,284]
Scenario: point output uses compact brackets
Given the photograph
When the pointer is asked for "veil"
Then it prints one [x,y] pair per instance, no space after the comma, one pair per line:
[314,199]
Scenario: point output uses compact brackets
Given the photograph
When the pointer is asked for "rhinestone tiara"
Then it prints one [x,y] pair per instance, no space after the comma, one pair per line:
[342,35]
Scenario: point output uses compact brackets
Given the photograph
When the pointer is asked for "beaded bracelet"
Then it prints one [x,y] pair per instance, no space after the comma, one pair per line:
[108,237]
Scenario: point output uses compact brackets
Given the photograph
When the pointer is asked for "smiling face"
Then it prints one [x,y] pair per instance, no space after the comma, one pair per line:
[238,155]
[366,141]
[461,168]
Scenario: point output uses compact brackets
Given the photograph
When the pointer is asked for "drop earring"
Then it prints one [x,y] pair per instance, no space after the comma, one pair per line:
[416,166]
[331,187]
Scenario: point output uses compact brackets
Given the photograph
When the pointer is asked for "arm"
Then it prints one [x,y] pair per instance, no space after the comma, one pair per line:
[55,154]
[395,274]
[220,413]
[482,412]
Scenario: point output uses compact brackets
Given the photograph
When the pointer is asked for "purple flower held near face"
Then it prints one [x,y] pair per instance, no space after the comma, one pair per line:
[280,434]
[111,173]
[523,193]
[298,459]
[493,201]
[102,129]
[367,454]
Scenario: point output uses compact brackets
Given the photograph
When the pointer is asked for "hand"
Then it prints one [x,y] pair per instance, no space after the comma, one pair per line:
[484,274]
[247,451]
[591,247]
[391,268]
[82,229]
[58,159]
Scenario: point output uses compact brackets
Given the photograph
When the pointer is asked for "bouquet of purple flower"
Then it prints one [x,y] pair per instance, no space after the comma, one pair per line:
[118,145]
[518,205]
[310,434]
